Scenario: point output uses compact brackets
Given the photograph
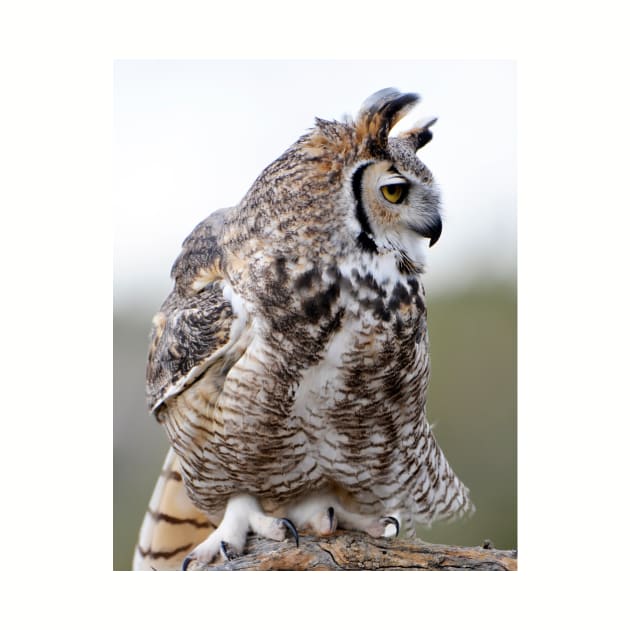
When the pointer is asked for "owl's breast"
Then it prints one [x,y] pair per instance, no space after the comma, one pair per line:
[340,339]
[362,404]
[331,391]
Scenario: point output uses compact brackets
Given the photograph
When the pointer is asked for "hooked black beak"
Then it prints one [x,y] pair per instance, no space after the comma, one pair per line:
[433,230]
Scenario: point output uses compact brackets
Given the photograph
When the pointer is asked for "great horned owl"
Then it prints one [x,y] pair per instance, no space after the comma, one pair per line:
[289,365]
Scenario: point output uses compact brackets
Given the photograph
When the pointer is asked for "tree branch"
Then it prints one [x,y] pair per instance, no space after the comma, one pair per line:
[353,551]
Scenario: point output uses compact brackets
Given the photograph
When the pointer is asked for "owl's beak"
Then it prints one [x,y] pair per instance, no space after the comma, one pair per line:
[433,230]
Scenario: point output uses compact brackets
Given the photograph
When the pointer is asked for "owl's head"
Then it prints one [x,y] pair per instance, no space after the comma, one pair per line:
[353,180]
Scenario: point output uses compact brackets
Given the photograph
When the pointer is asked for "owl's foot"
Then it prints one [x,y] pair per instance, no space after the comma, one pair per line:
[384,527]
[226,551]
[324,522]
[324,513]
[316,513]
[242,515]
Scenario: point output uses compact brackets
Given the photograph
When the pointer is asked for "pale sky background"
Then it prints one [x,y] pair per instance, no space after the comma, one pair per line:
[191,137]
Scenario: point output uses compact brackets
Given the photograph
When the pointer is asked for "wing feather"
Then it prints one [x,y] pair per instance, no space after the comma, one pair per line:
[199,321]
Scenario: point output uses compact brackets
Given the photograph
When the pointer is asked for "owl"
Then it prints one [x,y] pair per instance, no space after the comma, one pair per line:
[289,365]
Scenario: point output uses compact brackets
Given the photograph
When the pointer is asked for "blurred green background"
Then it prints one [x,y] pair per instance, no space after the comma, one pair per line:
[472,405]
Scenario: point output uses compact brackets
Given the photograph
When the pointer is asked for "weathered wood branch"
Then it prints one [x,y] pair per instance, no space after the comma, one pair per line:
[353,551]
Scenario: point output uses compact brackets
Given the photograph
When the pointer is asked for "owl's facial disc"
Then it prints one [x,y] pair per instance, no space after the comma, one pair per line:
[396,206]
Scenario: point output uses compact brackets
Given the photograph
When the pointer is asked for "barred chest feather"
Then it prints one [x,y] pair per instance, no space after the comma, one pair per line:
[334,376]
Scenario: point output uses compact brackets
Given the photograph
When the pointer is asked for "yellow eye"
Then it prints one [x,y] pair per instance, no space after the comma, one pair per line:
[394,193]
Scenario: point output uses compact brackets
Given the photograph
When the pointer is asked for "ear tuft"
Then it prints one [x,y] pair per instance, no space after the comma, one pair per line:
[380,112]
[420,135]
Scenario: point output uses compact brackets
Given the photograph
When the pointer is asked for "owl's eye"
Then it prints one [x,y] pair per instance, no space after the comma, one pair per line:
[395,193]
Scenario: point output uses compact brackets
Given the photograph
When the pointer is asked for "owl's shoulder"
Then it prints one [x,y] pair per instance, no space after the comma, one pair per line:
[202,250]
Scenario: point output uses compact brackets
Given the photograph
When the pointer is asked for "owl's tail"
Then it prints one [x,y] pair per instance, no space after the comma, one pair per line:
[172,525]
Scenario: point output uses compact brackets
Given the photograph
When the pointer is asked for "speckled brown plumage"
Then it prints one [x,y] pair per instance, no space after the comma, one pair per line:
[291,357]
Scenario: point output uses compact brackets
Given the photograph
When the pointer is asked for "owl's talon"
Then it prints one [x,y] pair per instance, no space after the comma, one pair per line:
[226,552]
[291,529]
[187,561]
[391,520]
[331,517]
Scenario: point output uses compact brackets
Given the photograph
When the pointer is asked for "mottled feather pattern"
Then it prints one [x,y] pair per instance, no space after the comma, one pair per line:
[291,359]
[192,329]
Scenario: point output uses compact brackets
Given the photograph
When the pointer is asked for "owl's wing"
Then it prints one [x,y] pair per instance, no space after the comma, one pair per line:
[172,525]
[197,326]
[200,321]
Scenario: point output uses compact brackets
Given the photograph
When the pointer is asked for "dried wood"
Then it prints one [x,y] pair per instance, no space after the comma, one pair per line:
[353,551]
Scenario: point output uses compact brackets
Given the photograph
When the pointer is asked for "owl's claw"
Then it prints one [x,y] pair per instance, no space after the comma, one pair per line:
[391,520]
[187,561]
[291,529]
[226,552]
